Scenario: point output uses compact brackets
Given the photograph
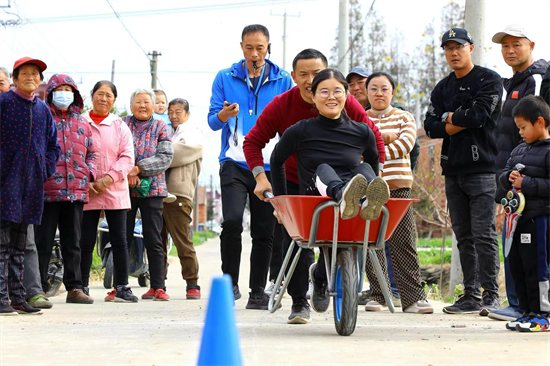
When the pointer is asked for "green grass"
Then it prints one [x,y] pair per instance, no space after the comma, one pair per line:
[434,243]
[96,272]
[199,237]
[433,256]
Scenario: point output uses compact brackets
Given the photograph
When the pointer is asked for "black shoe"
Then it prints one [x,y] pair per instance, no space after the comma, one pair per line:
[365,297]
[124,294]
[7,310]
[489,302]
[258,301]
[86,290]
[319,298]
[300,313]
[26,309]
[466,304]
[236,293]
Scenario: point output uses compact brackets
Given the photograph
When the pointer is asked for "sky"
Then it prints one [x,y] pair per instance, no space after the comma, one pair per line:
[198,38]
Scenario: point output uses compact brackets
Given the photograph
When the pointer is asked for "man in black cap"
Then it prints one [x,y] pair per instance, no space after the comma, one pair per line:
[463,112]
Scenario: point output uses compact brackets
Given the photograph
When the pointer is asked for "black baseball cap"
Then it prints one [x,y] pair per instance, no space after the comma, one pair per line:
[359,70]
[459,35]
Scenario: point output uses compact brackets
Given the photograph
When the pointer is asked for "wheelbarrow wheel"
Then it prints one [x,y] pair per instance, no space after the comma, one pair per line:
[109,270]
[345,301]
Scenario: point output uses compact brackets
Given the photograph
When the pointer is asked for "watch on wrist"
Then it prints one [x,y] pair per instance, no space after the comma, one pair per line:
[444,117]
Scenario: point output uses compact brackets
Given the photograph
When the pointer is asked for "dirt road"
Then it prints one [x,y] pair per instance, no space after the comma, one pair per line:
[168,333]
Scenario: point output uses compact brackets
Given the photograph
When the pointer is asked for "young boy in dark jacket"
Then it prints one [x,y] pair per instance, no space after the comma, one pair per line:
[530,246]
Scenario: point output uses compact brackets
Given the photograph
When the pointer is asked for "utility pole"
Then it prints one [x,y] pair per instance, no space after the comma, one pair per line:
[113,72]
[474,22]
[153,62]
[285,15]
[284,41]
[343,37]
[456,276]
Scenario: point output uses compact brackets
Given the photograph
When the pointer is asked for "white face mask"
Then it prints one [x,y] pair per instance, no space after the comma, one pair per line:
[62,99]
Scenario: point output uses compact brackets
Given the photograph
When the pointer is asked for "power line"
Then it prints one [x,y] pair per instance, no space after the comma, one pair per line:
[127,30]
[58,54]
[357,35]
[188,9]
[132,36]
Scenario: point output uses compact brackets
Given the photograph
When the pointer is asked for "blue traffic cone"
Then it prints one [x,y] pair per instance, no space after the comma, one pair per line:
[220,338]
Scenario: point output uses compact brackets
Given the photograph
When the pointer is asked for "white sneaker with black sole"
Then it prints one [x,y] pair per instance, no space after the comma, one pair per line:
[350,196]
[377,195]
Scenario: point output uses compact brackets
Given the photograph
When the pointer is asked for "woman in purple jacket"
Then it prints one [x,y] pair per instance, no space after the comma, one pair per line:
[28,154]
[66,191]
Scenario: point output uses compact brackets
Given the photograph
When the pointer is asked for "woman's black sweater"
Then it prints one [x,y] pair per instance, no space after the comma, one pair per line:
[339,143]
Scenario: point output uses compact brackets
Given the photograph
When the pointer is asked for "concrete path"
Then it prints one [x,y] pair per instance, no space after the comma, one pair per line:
[168,333]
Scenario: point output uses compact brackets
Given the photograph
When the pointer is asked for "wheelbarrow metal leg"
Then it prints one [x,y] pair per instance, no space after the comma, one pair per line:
[363,259]
[326,255]
[381,279]
[332,274]
[273,304]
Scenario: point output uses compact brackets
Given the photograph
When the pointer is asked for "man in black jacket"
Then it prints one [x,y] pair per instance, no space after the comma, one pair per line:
[517,47]
[463,111]
[545,88]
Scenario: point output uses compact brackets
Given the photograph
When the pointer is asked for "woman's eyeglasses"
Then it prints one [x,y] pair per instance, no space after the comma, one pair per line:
[324,94]
[381,90]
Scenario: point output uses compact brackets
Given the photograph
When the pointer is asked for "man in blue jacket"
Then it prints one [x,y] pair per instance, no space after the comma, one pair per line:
[28,157]
[239,94]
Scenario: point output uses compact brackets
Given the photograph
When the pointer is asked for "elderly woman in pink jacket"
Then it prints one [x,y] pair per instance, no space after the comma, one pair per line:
[109,191]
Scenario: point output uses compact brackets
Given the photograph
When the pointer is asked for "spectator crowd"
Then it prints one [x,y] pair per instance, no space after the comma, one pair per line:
[310,131]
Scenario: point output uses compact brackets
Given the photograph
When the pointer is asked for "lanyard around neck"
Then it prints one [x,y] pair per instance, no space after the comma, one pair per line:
[250,91]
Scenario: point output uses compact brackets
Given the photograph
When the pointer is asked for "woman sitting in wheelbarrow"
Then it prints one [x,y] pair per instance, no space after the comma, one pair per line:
[329,149]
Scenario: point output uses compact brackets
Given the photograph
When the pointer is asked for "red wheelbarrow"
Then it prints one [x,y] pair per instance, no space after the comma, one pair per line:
[310,225]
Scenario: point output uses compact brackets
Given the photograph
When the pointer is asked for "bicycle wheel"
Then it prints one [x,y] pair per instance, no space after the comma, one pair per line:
[144,280]
[345,301]
[109,269]
[54,286]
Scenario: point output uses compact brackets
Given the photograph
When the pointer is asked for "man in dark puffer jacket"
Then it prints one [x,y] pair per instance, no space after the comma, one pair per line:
[545,88]
[517,48]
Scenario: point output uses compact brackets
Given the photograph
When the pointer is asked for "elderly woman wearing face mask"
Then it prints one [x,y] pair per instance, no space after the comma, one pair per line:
[66,191]
[153,155]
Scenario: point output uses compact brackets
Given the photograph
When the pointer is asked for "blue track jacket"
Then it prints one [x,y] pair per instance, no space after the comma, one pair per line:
[233,85]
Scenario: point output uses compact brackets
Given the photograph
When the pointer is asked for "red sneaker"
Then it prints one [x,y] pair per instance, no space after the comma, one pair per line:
[110,296]
[149,295]
[193,294]
[161,295]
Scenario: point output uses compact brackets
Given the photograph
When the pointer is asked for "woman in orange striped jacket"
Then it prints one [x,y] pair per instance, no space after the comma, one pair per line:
[398,130]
